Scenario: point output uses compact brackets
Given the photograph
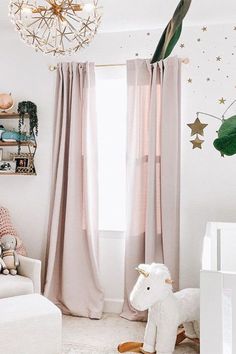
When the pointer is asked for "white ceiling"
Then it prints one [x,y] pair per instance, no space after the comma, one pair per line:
[121,15]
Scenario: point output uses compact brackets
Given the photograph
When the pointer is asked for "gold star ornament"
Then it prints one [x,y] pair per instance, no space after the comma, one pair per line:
[197,143]
[222,100]
[197,127]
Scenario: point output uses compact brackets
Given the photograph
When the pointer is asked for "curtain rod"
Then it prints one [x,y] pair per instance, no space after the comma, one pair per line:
[54,67]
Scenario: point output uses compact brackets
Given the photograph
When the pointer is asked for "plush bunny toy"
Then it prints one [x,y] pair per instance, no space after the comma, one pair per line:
[2,263]
[9,255]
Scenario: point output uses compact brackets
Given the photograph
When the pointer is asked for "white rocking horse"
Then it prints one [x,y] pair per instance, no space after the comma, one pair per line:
[167,310]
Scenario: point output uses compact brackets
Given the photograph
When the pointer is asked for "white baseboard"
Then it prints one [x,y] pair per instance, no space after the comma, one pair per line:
[113,305]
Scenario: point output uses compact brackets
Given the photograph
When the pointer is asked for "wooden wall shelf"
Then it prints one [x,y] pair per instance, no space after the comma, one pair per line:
[16,143]
[28,144]
[17,174]
[11,115]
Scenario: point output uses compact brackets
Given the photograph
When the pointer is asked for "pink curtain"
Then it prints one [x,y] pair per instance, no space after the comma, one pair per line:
[153,154]
[72,280]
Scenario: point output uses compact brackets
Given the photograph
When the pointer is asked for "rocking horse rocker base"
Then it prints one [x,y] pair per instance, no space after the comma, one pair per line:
[136,347]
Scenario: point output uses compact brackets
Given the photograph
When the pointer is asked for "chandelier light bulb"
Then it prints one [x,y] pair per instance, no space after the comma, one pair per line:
[54,26]
[26,10]
[89,7]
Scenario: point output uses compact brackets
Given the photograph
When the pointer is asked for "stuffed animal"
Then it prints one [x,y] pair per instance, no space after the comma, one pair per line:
[167,310]
[2,263]
[7,228]
[9,255]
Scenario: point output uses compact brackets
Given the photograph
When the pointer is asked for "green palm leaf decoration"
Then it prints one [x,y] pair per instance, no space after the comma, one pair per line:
[172,32]
[226,141]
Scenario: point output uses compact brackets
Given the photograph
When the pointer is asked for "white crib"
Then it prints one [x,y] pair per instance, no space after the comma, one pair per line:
[218,289]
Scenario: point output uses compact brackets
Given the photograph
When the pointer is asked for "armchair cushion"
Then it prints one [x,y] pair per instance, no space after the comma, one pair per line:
[31,268]
[15,285]
[28,280]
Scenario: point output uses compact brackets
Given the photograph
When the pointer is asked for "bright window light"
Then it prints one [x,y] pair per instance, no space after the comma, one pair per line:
[111,110]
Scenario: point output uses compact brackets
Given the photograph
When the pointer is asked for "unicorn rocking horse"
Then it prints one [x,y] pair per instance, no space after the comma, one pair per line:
[166,311]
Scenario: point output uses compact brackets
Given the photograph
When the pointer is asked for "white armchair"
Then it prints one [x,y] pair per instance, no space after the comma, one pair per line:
[28,280]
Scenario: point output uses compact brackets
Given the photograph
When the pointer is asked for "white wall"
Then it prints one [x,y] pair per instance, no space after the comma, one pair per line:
[208,188]
[26,76]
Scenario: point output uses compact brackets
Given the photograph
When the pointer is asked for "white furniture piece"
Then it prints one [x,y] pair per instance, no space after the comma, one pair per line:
[218,289]
[29,324]
[28,280]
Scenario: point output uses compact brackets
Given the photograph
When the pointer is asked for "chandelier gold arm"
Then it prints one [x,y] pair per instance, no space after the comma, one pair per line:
[57,8]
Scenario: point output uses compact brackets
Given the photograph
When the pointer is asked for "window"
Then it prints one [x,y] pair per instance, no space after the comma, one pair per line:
[111,110]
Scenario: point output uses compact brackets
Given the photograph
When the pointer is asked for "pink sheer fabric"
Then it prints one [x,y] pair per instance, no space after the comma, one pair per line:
[153,153]
[72,280]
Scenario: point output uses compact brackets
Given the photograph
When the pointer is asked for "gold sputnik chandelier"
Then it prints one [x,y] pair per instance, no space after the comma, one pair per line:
[56,27]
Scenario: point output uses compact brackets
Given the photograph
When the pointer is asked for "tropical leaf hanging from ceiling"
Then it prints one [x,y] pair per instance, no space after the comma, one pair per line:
[226,141]
[172,32]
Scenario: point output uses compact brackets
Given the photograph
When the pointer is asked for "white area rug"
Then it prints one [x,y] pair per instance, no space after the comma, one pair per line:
[84,336]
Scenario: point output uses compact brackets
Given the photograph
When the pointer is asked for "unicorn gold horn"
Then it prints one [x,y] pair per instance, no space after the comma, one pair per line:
[141,271]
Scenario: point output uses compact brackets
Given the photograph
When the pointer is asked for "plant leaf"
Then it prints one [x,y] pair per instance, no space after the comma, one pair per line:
[173,41]
[226,141]
[169,37]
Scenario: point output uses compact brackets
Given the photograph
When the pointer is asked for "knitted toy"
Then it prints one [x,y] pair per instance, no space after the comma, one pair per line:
[9,255]
[167,310]
[2,264]
[7,228]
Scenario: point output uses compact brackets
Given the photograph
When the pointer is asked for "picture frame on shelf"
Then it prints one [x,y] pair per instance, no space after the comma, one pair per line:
[21,162]
[7,166]
[24,163]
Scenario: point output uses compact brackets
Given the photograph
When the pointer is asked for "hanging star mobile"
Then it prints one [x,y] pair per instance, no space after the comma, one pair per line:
[197,143]
[225,143]
[197,127]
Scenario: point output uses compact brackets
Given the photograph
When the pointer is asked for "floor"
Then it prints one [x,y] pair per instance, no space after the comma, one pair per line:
[84,336]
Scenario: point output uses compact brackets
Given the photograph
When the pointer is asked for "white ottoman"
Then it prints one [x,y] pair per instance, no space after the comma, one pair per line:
[29,324]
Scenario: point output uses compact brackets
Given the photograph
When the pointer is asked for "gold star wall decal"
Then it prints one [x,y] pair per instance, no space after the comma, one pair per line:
[204,28]
[222,100]
[190,80]
[218,58]
[197,127]
[197,143]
